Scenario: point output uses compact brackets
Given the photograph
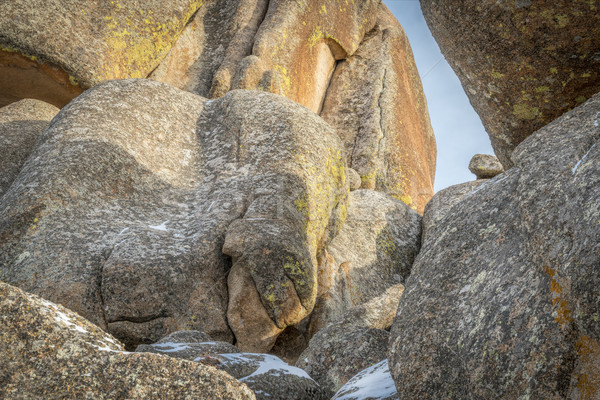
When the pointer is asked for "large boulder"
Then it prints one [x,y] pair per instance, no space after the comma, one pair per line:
[522,63]
[48,351]
[56,48]
[374,251]
[502,301]
[376,103]
[138,194]
[21,124]
[296,46]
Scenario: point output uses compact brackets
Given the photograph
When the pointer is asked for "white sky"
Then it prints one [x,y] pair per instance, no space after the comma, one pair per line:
[458,129]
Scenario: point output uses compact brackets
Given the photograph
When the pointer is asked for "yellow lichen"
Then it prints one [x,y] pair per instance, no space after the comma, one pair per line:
[525,112]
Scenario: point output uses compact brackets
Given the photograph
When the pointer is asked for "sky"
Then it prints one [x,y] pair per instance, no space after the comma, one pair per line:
[458,129]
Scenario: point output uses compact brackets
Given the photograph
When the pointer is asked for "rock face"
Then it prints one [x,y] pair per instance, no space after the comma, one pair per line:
[373,383]
[268,376]
[127,213]
[485,166]
[354,342]
[502,301]
[443,201]
[48,351]
[373,100]
[21,124]
[213,44]
[522,63]
[296,46]
[332,57]
[54,50]
[376,103]
[374,250]
[253,44]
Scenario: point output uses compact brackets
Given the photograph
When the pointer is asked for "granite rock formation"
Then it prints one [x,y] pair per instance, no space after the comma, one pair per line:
[522,63]
[375,101]
[49,352]
[137,193]
[502,300]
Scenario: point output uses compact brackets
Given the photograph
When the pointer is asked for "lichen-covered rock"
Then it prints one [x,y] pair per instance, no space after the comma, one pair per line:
[485,166]
[284,47]
[502,301]
[373,383]
[137,192]
[374,250]
[21,124]
[522,63]
[355,341]
[54,49]
[376,103]
[443,201]
[268,376]
[374,100]
[212,46]
[298,43]
[47,351]
[335,355]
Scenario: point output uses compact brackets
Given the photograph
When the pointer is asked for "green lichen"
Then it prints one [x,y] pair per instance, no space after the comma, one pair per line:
[525,112]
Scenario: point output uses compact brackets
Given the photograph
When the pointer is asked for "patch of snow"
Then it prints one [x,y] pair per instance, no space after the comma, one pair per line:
[374,382]
[171,347]
[574,170]
[269,363]
[161,227]
[63,318]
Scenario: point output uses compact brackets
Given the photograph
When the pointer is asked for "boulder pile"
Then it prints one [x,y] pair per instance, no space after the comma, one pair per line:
[233,199]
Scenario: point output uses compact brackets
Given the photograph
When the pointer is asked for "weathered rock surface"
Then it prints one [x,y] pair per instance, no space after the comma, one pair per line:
[48,351]
[54,49]
[268,376]
[288,48]
[443,201]
[374,250]
[134,193]
[522,63]
[336,355]
[297,45]
[355,341]
[376,103]
[485,166]
[21,124]
[213,44]
[373,383]
[503,299]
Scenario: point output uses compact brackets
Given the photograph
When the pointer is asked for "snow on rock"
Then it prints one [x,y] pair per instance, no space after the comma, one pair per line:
[373,383]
